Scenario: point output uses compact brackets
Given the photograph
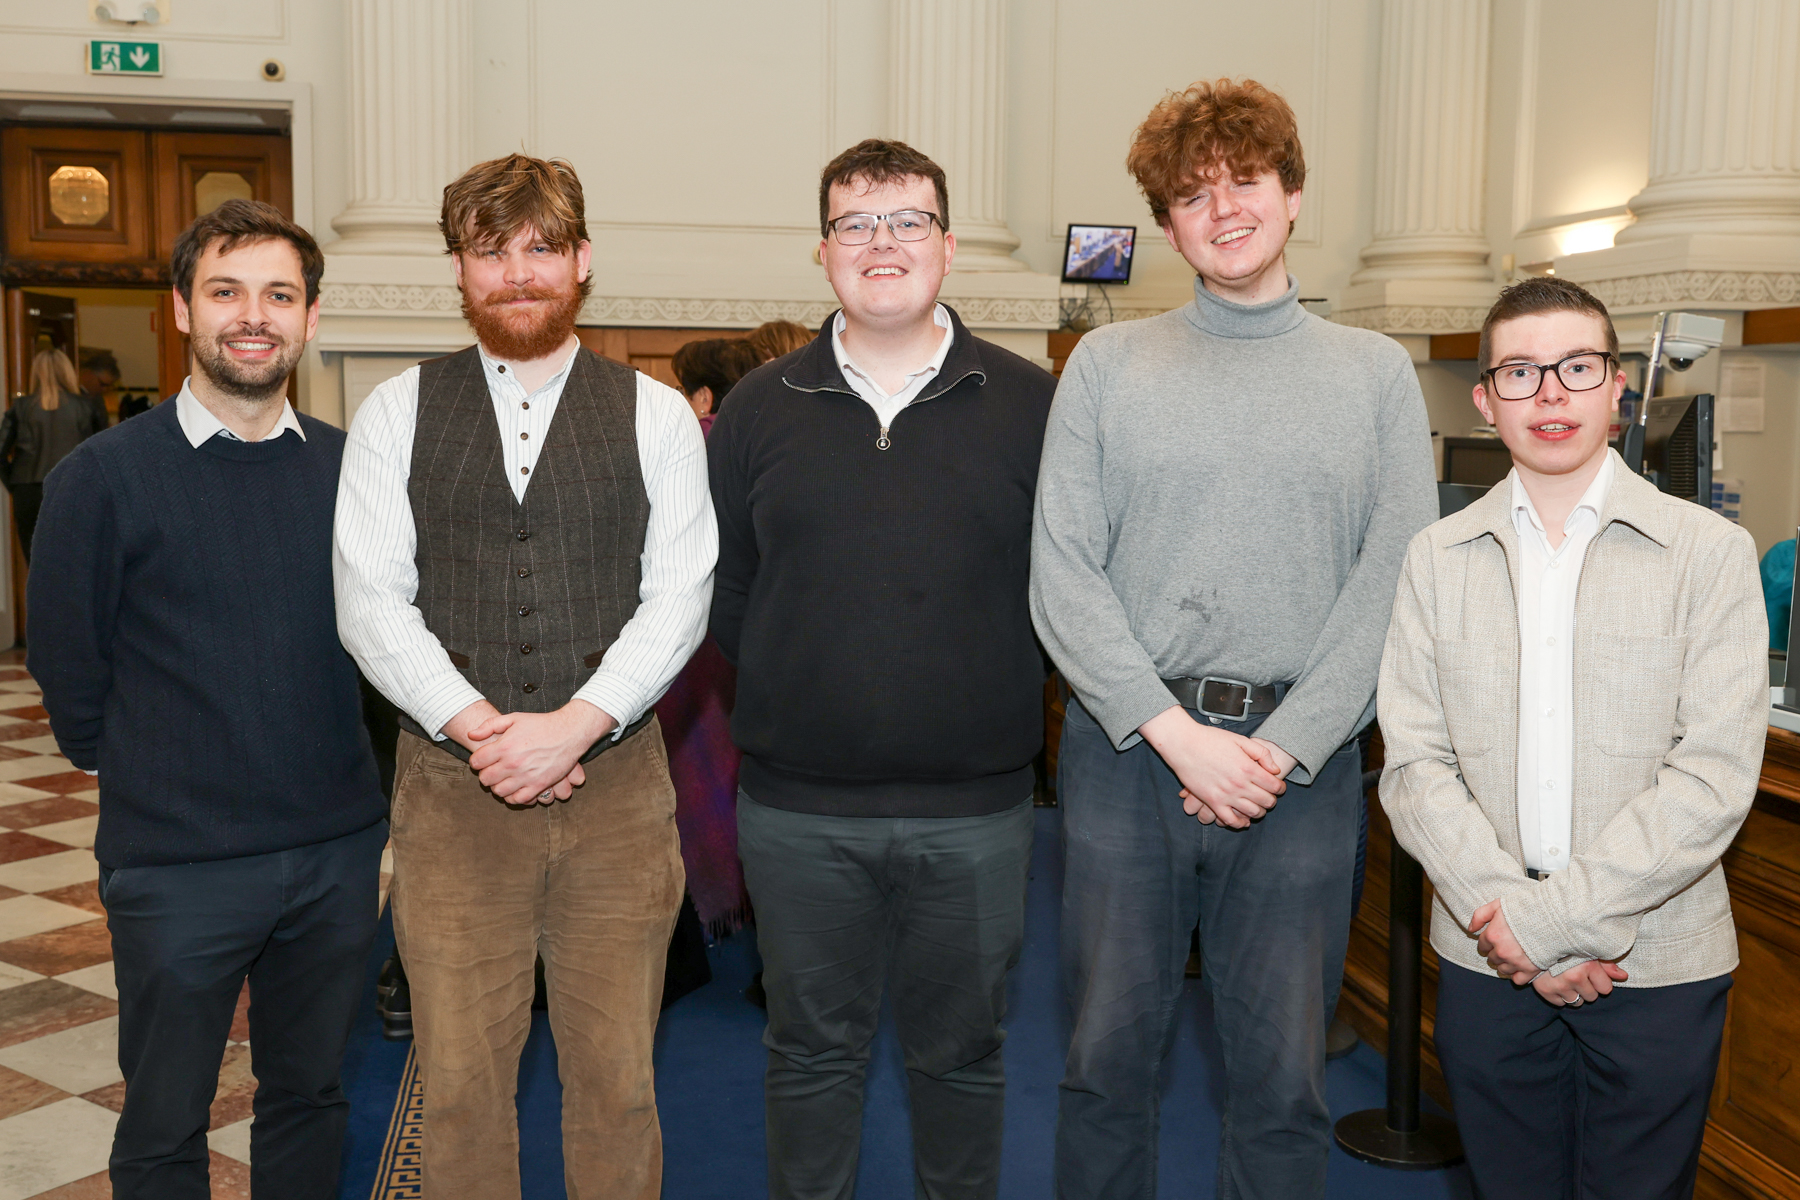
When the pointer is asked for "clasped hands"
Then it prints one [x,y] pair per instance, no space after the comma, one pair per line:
[1579,984]
[529,758]
[1225,777]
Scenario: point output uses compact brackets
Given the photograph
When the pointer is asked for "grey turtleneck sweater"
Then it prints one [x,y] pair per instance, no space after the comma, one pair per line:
[1229,490]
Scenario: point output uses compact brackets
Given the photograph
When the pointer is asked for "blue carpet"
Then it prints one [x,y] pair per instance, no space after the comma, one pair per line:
[709,1063]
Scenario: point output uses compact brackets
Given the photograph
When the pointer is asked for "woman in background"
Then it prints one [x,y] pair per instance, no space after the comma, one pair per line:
[772,339]
[51,419]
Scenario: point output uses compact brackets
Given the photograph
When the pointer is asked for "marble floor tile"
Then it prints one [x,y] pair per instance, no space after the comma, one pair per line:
[233,1141]
[26,916]
[84,896]
[240,1018]
[95,1187]
[34,713]
[39,744]
[15,846]
[12,977]
[237,1088]
[58,951]
[76,832]
[91,795]
[27,684]
[111,1096]
[50,871]
[230,1178]
[12,793]
[52,1146]
[76,1060]
[97,979]
[12,726]
[7,893]
[14,673]
[13,752]
[68,780]
[38,764]
[48,1006]
[21,1093]
[13,701]
[47,811]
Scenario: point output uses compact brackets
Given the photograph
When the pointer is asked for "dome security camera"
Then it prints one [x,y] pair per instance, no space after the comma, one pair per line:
[1687,337]
[273,71]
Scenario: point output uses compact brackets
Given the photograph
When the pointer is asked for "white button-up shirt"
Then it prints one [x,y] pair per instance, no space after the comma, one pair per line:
[888,407]
[1548,579]
[375,541]
[198,423]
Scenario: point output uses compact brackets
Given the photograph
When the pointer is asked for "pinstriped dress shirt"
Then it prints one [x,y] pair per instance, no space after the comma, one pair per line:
[374,544]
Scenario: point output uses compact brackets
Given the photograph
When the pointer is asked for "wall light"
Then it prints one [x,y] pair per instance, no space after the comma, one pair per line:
[1589,235]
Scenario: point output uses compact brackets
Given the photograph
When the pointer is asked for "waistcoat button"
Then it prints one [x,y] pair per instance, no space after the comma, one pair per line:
[524,610]
[523,534]
[529,688]
[525,649]
[524,571]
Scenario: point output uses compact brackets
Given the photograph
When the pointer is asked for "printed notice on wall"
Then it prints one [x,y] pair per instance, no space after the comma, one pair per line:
[1741,397]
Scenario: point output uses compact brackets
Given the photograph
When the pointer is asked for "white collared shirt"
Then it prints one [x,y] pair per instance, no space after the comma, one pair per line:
[888,407]
[375,541]
[199,424]
[1548,579]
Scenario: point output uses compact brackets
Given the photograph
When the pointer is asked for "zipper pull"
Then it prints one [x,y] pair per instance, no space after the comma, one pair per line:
[882,442]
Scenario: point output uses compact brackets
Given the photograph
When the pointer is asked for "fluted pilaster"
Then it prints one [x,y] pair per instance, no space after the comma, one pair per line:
[410,124]
[1426,267]
[949,93]
[1725,122]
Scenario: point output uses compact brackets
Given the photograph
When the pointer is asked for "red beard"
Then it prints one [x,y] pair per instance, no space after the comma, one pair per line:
[521,337]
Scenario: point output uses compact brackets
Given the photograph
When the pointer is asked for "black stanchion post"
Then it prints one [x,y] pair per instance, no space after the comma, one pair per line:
[1400,1136]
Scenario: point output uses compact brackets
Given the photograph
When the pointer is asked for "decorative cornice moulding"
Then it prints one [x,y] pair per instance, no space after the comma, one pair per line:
[384,300]
[1717,289]
[1412,318]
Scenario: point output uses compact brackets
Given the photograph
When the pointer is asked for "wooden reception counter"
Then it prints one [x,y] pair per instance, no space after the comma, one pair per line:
[1752,1144]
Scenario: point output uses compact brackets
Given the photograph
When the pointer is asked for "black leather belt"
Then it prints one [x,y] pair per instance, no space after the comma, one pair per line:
[1230,699]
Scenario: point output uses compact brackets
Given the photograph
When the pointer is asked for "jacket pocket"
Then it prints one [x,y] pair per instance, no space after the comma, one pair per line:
[1471,686]
[1634,694]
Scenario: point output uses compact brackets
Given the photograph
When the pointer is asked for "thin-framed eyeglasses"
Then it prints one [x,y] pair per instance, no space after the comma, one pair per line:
[1521,380]
[907,225]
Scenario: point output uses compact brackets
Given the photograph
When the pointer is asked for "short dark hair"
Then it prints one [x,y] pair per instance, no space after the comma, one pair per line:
[716,363]
[1544,294]
[873,162]
[233,224]
[100,362]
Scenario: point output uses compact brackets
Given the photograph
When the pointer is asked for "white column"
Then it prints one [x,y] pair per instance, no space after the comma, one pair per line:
[949,101]
[1427,265]
[1725,122]
[410,124]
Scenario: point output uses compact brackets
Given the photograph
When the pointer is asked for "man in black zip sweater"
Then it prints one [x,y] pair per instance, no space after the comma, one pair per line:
[183,630]
[874,494]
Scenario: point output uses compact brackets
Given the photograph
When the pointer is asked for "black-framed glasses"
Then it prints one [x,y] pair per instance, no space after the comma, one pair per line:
[1521,381]
[907,225]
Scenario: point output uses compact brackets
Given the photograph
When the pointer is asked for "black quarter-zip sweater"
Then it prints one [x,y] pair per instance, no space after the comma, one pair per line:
[874,600]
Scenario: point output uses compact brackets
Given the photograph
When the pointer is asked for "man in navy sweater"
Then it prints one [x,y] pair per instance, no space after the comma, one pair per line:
[873,491]
[182,628]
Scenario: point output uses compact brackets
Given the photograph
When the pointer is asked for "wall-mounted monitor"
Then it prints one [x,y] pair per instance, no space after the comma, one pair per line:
[1099,253]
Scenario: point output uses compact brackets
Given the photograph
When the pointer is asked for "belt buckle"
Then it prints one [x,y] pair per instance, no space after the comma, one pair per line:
[1225,685]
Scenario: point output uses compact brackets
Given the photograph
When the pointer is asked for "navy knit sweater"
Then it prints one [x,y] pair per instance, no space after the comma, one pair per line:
[182,626]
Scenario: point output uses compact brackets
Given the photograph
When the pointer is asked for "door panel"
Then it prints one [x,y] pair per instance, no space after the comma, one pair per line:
[77,195]
[195,172]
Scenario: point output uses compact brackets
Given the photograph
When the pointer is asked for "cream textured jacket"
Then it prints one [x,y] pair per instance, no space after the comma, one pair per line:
[1670,716]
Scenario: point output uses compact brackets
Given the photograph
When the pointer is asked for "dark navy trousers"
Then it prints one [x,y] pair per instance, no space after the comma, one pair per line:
[1604,1100]
[1273,902]
[298,924]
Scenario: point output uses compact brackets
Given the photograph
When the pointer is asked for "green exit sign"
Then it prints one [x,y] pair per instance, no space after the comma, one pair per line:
[124,58]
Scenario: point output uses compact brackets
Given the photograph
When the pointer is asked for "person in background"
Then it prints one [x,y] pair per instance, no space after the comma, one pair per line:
[100,374]
[1777,570]
[874,492]
[710,367]
[53,418]
[1573,700]
[1226,496]
[772,339]
[182,627]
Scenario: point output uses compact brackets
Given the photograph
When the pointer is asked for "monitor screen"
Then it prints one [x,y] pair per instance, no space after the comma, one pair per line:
[1099,254]
[1678,440]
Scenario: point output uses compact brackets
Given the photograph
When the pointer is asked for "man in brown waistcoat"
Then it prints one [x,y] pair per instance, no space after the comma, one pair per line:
[524,552]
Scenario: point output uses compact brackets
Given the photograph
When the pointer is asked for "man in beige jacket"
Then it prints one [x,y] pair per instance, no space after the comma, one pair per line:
[1573,699]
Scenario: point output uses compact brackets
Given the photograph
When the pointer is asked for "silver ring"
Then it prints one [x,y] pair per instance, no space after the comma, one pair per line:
[550,794]
[1577,1002]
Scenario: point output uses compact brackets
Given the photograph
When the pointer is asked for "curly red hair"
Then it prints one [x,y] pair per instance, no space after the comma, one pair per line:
[1242,126]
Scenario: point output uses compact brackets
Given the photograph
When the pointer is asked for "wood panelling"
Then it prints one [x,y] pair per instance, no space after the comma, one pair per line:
[1772,327]
[1752,1146]
[182,160]
[33,229]
[1455,347]
[1058,346]
[649,350]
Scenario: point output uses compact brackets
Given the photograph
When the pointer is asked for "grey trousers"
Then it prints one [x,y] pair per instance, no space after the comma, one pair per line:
[1273,903]
[934,908]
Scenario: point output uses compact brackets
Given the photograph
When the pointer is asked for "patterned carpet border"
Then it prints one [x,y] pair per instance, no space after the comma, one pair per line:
[399,1175]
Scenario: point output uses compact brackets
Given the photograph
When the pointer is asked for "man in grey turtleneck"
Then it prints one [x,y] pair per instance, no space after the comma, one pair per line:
[1226,496]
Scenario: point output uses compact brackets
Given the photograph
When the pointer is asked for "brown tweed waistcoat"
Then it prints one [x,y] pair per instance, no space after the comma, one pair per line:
[527,596]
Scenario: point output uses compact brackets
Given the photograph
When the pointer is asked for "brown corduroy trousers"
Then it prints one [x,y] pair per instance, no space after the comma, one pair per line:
[480,890]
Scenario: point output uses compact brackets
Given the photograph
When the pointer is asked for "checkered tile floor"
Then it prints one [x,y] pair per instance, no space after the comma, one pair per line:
[60,1087]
